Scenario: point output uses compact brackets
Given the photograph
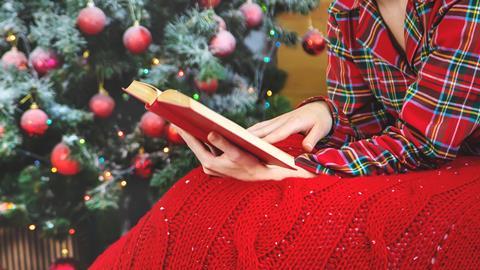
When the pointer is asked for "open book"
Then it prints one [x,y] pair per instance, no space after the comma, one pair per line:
[199,121]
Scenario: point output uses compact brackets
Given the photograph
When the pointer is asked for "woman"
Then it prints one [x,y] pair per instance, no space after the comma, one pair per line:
[404,95]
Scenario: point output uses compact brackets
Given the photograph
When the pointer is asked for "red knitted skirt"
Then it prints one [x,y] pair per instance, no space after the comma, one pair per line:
[418,220]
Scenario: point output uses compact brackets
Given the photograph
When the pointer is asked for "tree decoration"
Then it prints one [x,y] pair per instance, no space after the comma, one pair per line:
[313,42]
[101,104]
[143,165]
[221,22]
[252,13]
[173,136]
[137,38]
[34,121]
[15,58]
[152,125]
[208,86]
[64,264]
[2,130]
[43,60]
[223,44]
[62,162]
[209,3]
[91,20]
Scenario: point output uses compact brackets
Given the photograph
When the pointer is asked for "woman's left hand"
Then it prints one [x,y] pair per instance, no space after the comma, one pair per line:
[236,163]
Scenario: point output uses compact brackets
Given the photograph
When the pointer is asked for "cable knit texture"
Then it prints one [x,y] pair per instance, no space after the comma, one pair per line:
[418,220]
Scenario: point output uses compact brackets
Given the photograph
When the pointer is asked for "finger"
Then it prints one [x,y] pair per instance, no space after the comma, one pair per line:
[261,124]
[212,172]
[231,151]
[313,136]
[203,155]
[266,130]
[282,133]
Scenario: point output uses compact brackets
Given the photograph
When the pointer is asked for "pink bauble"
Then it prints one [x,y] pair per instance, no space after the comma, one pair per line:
[173,136]
[152,125]
[221,23]
[209,86]
[15,58]
[60,159]
[102,105]
[2,131]
[253,14]
[34,122]
[137,39]
[43,60]
[209,3]
[223,44]
[313,42]
[143,166]
[91,20]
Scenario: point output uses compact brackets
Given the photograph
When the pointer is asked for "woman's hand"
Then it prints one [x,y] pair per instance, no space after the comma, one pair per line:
[313,119]
[236,163]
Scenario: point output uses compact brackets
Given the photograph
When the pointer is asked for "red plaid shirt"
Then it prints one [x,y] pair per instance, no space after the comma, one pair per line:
[395,111]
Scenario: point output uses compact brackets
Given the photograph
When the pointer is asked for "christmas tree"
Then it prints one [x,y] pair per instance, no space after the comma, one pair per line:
[75,153]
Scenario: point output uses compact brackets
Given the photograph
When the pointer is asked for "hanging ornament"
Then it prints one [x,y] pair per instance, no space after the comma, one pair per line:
[64,264]
[62,162]
[16,58]
[209,86]
[313,42]
[223,44]
[143,165]
[34,121]
[2,131]
[209,3]
[173,136]
[252,13]
[91,20]
[43,60]
[221,23]
[137,38]
[101,104]
[152,125]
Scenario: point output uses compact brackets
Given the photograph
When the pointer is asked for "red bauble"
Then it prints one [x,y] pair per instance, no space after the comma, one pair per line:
[137,39]
[173,136]
[152,125]
[209,86]
[223,44]
[61,160]
[2,131]
[64,264]
[34,122]
[253,14]
[43,60]
[16,58]
[313,42]
[102,105]
[143,166]
[209,3]
[91,20]
[221,23]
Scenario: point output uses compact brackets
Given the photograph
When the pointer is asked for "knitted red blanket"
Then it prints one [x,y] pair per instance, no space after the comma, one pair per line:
[418,220]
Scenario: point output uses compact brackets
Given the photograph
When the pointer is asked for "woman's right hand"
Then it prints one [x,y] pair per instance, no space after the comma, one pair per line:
[312,119]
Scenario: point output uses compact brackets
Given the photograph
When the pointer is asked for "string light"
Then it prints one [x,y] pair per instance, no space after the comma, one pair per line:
[101,178]
[269,93]
[266,59]
[120,133]
[81,141]
[155,61]
[86,54]
[87,197]
[32,227]
[278,44]
[267,105]
[196,96]
[71,231]
[101,159]
[64,251]
[181,73]
[54,170]
[251,90]
[123,183]
[272,32]
[49,122]
[166,149]
[37,163]
[145,71]
[11,37]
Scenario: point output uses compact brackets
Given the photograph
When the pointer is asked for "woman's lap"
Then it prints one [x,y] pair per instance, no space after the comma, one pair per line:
[413,220]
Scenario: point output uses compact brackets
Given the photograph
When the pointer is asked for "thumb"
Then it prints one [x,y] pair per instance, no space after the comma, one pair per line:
[313,136]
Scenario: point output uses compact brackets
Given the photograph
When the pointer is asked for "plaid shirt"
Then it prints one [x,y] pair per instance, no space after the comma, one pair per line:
[395,111]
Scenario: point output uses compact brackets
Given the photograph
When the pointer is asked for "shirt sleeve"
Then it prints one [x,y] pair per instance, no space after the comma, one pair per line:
[441,109]
[355,111]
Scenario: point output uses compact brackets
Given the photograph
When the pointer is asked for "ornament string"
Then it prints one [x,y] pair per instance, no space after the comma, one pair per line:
[135,15]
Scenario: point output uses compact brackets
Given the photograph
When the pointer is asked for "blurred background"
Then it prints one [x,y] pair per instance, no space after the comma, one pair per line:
[80,161]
